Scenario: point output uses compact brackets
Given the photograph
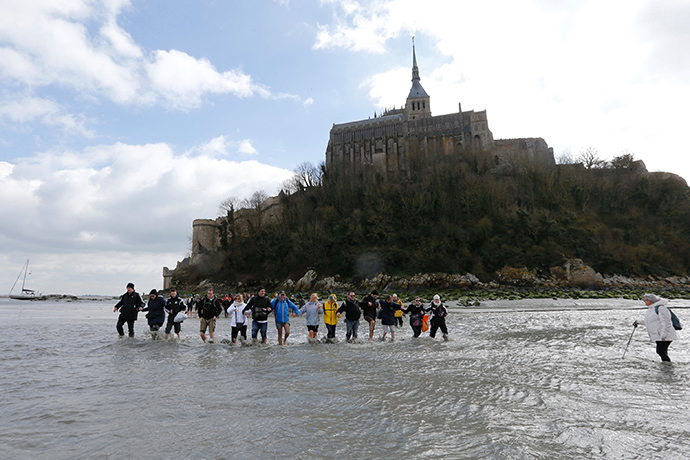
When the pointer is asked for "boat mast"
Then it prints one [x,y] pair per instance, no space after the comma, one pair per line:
[20,274]
[26,269]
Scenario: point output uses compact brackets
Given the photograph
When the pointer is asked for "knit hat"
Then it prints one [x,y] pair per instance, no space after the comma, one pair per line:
[374,292]
[130,285]
[153,292]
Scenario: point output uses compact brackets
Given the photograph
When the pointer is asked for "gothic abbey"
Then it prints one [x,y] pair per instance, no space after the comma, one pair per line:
[385,142]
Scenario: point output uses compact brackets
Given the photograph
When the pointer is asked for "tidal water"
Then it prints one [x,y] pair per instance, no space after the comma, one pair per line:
[509,385]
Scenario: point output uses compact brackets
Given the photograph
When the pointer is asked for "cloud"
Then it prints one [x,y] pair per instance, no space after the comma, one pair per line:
[221,146]
[120,200]
[46,43]
[246,148]
[578,73]
[182,80]
[27,109]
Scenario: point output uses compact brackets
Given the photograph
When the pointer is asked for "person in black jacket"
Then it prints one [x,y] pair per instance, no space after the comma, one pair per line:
[209,309]
[438,317]
[260,306]
[130,305]
[173,306]
[352,314]
[370,305]
[416,312]
[156,312]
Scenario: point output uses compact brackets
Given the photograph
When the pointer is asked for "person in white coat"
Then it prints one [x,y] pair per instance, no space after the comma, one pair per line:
[238,320]
[659,324]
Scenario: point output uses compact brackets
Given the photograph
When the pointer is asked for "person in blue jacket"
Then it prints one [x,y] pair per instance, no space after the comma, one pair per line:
[156,312]
[281,309]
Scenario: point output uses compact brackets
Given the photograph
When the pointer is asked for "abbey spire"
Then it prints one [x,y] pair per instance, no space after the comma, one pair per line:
[418,101]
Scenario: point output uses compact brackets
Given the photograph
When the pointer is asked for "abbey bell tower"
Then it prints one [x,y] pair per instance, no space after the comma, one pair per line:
[417,104]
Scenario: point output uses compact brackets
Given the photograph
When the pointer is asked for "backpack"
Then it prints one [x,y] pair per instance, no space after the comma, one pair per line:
[674,318]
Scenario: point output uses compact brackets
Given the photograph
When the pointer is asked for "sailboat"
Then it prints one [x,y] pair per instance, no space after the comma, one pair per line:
[25,294]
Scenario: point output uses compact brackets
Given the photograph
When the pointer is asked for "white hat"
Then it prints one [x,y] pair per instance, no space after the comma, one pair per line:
[437,297]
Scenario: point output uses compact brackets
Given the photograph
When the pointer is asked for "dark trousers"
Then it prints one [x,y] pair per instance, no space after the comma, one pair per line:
[436,325]
[130,325]
[331,331]
[417,330]
[398,321]
[240,329]
[171,324]
[662,349]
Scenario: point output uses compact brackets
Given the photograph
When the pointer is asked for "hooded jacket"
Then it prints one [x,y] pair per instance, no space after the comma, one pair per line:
[659,326]
[156,310]
[330,311]
[281,309]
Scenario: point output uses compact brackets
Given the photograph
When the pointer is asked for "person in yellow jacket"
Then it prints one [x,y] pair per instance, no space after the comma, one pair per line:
[398,313]
[330,316]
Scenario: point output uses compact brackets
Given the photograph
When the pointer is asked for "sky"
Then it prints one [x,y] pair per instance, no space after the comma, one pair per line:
[122,121]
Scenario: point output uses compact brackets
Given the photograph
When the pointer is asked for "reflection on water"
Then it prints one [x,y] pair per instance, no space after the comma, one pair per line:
[510,385]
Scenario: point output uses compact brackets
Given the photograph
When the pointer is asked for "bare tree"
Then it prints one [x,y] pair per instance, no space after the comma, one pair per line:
[307,175]
[589,157]
[565,158]
[229,205]
[289,186]
[256,200]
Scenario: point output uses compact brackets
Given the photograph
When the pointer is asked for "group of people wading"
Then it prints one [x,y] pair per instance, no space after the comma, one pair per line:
[389,310]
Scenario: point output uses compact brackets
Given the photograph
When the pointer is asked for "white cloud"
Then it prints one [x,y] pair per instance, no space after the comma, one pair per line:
[216,146]
[182,80]
[47,43]
[27,109]
[612,75]
[221,145]
[245,147]
[119,198]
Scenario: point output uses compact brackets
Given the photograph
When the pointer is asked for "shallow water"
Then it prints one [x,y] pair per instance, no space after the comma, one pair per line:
[510,385]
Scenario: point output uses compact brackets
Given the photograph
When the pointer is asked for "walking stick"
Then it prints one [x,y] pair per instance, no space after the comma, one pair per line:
[631,334]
